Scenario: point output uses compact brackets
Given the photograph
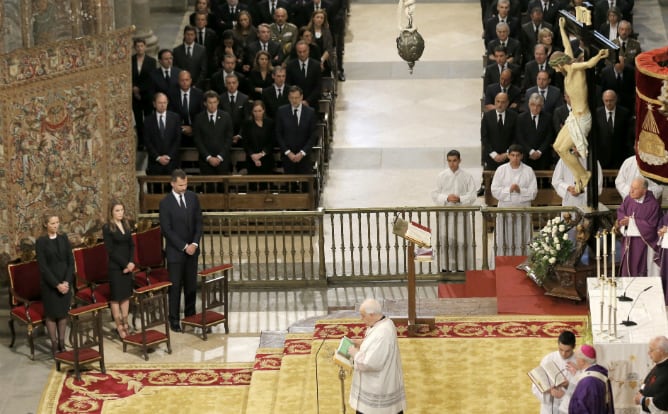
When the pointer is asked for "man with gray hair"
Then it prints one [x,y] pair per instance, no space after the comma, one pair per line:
[653,394]
[637,219]
[593,392]
[378,380]
[536,134]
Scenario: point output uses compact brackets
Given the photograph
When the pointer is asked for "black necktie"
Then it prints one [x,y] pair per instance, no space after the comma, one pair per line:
[231,100]
[623,47]
[542,93]
[167,76]
[304,69]
[500,121]
[161,124]
[200,36]
[296,116]
[188,51]
[280,94]
[611,125]
[535,124]
[184,108]
[182,203]
[272,7]
[503,90]
[211,121]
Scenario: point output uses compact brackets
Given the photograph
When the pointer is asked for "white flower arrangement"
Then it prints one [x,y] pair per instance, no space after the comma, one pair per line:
[550,247]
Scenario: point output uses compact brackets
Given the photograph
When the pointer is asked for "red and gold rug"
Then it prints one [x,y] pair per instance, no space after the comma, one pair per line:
[149,388]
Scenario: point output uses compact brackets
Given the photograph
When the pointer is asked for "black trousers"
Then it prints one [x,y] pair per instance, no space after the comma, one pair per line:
[183,275]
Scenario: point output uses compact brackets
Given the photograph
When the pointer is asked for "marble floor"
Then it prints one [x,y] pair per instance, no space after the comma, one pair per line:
[393,130]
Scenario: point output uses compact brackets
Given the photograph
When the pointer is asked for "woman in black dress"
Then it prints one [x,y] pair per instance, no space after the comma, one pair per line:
[56,267]
[120,248]
[258,133]
[260,77]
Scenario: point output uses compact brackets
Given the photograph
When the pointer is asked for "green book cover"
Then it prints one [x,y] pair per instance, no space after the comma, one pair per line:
[344,345]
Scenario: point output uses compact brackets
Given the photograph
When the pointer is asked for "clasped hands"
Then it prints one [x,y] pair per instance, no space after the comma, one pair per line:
[295,157]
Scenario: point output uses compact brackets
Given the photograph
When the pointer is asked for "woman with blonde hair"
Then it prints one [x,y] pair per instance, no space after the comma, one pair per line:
[56,268]
[120,248]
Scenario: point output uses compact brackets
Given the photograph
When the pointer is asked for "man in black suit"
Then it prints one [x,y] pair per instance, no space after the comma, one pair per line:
[505,85]
[218,79]
[165,78]
[621,79]
[305,73]
[615,132]
[494,69]
[264,11]
[497,132]
[535,134]
[265,43]
[560,114]
[236,105]
[181,225]
[187,102]
[532,68]
[212,133]
[550,9]
[276,95]
[142,66]
[513,46]
[530,30]
[191,57]
[163,138]
[296,133]
[208,38]
[227,13]
[552,96]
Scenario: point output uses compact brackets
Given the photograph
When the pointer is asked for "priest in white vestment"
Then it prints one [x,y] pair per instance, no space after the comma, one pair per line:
[378,380]
[455,187]
[562,358]
[514,185]
[627,173]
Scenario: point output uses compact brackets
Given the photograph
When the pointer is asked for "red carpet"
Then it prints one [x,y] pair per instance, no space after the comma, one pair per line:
[515,293]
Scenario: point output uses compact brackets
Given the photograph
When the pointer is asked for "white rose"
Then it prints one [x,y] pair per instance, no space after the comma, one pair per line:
[562,227]
[557,246]
[565,236]
[552,260]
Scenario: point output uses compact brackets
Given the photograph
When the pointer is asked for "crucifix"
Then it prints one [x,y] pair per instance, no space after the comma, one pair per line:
[579,83]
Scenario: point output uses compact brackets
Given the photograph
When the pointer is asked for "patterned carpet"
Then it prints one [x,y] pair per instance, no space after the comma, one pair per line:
[463,365]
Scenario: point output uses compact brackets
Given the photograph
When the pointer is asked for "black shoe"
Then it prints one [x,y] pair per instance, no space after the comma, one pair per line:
[342,76]
[481,191]
[176,328]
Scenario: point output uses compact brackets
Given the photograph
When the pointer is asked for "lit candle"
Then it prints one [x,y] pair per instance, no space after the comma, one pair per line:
[598,254]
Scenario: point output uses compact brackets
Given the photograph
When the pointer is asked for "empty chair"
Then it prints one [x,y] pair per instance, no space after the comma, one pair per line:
[87,339]
[90,266]
[214,296]
[151,304]
[25,301]
[150,258]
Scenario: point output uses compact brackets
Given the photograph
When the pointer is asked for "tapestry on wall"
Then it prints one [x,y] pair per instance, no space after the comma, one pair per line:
[68,143]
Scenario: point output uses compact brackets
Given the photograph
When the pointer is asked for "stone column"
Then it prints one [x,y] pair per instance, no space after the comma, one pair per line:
[122,13]
[141,18]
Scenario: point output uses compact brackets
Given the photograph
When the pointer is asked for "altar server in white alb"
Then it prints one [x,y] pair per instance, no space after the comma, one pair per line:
[627,173]
[455,187]
[514,185]
[564,359]
[378,380]
[563,182]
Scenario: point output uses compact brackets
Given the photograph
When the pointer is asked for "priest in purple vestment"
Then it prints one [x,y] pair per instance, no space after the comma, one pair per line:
[593,392]
[662,255]
[643,209]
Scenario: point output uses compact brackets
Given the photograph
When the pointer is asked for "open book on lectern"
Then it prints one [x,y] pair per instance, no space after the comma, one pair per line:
[547,376]
[412,231]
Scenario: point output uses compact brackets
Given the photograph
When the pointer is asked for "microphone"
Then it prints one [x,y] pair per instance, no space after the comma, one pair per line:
[317,384]
[623,297]
[628,321]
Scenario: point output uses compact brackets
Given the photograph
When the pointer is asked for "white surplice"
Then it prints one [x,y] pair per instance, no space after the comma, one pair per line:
[455,229]
[513,230]
[549,404]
